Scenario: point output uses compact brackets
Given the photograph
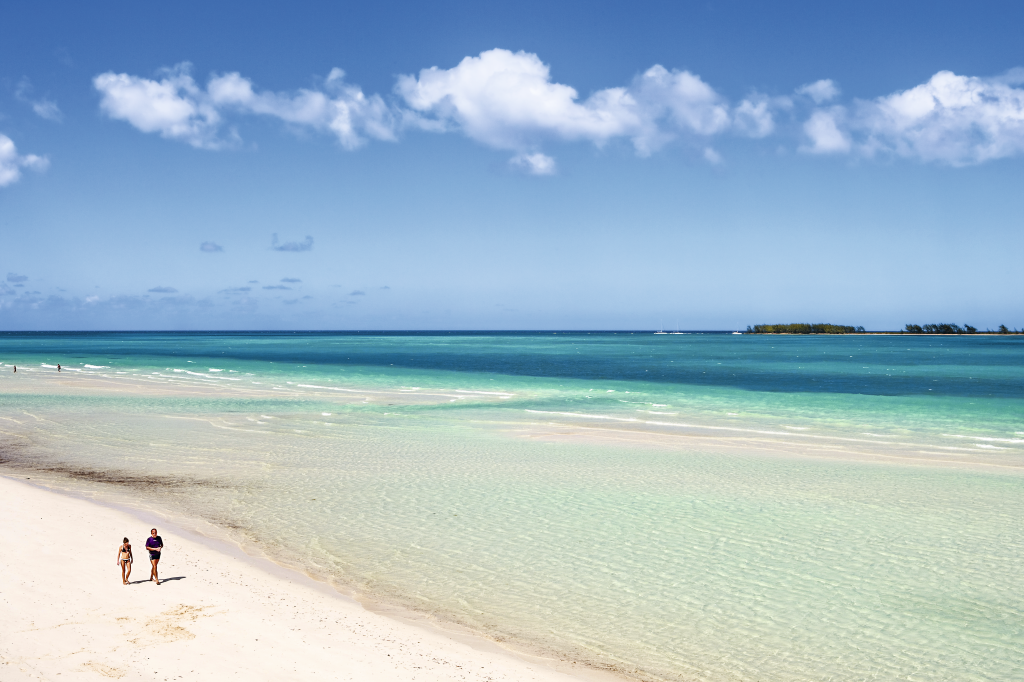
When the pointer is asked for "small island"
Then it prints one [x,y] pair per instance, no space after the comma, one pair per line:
[825,328]
[804,328]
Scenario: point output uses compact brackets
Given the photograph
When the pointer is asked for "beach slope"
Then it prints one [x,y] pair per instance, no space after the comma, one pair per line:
[65,615]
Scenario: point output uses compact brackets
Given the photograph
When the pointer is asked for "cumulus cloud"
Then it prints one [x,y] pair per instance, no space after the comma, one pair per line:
[305,245]
[958,120]
[235,290]
[951,119]
[357,292]
[823,131]
[507,100]
[277,286]
[535,164]
[211,247]
[821,91]
[291,280]
[754,116]
[340,108]
[15,277]
[44,108]
[173,106]
[11,162]
[163,290]
[176,107]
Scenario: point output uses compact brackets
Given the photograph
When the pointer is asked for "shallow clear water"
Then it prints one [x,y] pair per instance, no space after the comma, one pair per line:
[674,506]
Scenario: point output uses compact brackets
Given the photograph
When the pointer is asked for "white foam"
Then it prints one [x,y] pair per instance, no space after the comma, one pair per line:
[327,388]
[43,364]
[97,366]
[326,414]
[216,370]
[985,438]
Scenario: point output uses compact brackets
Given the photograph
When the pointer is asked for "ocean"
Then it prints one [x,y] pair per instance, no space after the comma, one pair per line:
[666,506]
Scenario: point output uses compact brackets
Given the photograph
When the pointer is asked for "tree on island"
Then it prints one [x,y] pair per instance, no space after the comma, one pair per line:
[941,328]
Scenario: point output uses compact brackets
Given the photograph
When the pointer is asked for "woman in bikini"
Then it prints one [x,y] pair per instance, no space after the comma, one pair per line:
[124,557]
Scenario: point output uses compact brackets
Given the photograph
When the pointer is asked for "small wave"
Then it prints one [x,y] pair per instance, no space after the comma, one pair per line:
[326,414]
[97,366]
[43,364]
[796,428]
[988,447]
[328,388]
[985,438]
[216,370]
[460,390]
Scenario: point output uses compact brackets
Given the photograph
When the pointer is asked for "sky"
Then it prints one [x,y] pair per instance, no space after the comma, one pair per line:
[528,165]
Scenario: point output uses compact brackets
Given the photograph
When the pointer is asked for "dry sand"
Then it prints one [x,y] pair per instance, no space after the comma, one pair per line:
[64,614]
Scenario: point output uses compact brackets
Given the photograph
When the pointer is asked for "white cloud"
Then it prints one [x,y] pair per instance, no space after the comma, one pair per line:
[347,114]
[174,107]
[507,100]
[821,91]
[47,109]
[951,119]
[753,117]
[823,129]
[535,164]
[959,120]
[44,108]
[11,162]
[711,156]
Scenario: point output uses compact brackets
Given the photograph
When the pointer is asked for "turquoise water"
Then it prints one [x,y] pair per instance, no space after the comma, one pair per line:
[668,506]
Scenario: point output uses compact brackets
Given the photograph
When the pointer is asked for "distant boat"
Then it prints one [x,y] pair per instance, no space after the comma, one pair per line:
[737,332]
[659,332]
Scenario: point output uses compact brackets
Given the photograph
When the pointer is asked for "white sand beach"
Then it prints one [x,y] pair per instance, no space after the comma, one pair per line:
[64,614]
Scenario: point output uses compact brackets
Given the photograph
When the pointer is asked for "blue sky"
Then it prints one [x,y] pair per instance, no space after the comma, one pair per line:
[460,165]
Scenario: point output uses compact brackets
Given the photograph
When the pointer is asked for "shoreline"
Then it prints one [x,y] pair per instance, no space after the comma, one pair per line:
[222,600]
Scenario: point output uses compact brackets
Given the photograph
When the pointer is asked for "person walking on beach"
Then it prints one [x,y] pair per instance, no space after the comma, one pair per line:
[58,368]
[124,557]
[154,544]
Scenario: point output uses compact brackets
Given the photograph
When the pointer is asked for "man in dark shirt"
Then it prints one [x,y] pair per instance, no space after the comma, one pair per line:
[154,544]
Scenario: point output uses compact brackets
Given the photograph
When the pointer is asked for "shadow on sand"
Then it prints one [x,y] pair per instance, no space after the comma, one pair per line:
[162,580]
